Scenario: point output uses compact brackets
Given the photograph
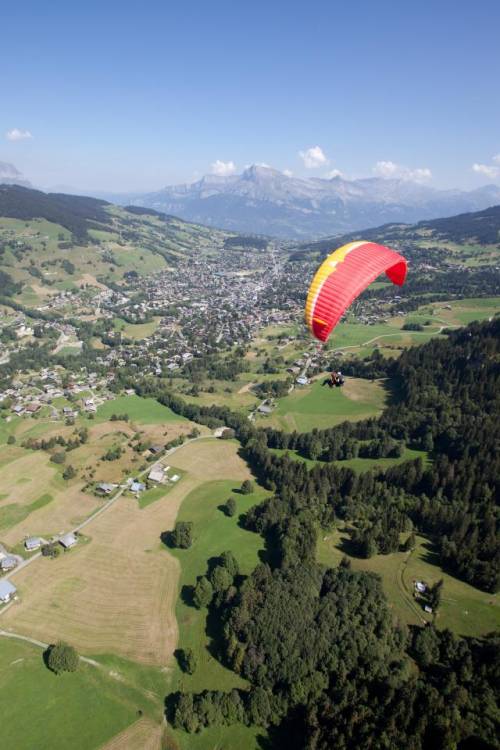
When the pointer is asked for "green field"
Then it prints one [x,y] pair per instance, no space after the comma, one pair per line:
[140,410]
[157,493]
[358,464]
[322,407]
[81,711]
[136,331]
[214,534]
[464,609]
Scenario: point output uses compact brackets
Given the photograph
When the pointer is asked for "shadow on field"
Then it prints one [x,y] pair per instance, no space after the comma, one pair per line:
[167,539]
[187,595]
[431,554]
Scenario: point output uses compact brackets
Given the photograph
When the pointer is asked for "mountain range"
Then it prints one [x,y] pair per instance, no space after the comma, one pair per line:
[265,201]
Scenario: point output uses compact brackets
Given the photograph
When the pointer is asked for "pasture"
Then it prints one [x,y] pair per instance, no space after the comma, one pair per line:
[319,406]
[117,593]
[464,609]
[136,331]
[358,464]
[82,710]
[139,410]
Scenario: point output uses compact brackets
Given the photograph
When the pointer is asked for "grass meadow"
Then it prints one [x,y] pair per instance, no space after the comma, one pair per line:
[464,609]
[80,710]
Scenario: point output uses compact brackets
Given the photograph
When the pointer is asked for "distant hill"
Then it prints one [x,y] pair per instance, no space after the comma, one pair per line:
[265,201]
[78,214]
[51,241]
[479,228]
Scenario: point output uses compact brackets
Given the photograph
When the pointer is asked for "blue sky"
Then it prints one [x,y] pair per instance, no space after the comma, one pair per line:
[132,96]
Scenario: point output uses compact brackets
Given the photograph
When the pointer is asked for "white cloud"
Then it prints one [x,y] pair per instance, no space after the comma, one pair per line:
[223,168]
[386,169]
[420,174]
[487,169]
[389,169]
[496,158]
[333,173]
[18,135]
[313,157]
[288,173]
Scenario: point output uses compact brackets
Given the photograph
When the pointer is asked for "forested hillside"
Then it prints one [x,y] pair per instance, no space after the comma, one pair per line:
[327,665]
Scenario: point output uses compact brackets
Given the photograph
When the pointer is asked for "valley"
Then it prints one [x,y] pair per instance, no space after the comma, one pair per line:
[151,370]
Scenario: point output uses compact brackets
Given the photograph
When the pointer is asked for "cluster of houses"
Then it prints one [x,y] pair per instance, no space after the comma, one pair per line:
[9,561]
[28,395]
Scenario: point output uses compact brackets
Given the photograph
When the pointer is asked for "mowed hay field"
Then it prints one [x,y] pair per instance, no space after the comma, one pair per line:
[319,406]
[143,735]
[117,592]
[35,499]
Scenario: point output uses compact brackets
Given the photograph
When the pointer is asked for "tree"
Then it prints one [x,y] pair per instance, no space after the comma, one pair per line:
[203,593]
[187,660]
[230,563]
[51,550]
[11,440]
[62,658]
[434,595]
[230,506]
[247,487]
[182,535]
[221,579]
[69,472]
[410,543]
[58,458]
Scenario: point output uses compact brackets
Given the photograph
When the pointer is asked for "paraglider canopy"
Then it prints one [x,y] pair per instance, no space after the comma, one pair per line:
[342,277]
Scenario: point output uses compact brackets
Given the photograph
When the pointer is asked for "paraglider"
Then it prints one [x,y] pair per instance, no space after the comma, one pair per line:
[342,277]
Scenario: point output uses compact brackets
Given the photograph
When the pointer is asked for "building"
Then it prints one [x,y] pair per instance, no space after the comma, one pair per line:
[32,543]
[265,409]
[156,448]
[137,487]
[8,563]
[157,474]
[175,478]
[68,540]
[420,587]
[105,488]
[7,591]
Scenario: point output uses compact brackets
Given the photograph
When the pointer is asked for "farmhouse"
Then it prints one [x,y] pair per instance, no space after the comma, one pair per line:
[157,474]
[32,543]
[7,591]
[105,488]
[68,540]
[137,487]
[33,408]
[421,587]
[157,448]
[8,563]
[265,409]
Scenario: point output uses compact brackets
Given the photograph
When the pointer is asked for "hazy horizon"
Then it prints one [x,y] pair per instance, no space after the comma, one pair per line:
[132,103]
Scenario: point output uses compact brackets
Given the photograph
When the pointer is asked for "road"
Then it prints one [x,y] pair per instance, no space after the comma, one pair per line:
[104,507]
